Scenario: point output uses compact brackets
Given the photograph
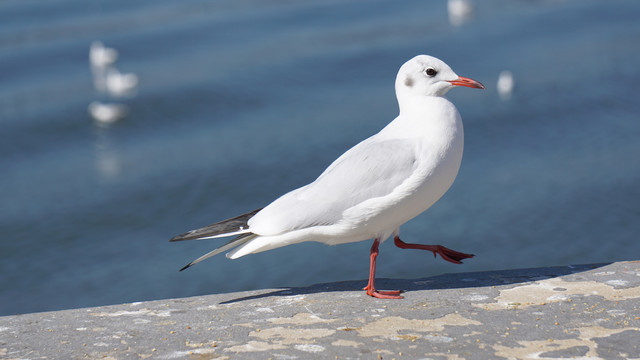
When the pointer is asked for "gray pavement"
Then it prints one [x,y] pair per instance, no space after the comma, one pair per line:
[584,311]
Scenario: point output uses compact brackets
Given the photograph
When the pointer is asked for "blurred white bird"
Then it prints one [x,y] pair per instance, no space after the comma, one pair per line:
[460,11]
[106,114]
[373,188]
[101,56]
[505,84]
[119,84]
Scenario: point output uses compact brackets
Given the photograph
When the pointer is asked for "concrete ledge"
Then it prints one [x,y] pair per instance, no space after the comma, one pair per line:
[585,311]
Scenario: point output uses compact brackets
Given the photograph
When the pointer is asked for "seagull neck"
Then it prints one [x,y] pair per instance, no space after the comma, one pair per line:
[426,116]
[425,107]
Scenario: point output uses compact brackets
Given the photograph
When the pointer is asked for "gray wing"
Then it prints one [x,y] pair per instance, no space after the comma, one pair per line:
[227,227]
[370,169]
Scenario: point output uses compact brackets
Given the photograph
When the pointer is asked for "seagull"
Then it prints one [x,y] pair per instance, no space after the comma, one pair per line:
[104,113]
[505,84]
[460,11]
[101,56]
[373,188]
[119,84]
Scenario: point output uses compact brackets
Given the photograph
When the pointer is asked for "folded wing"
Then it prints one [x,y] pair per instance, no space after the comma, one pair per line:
[371,169]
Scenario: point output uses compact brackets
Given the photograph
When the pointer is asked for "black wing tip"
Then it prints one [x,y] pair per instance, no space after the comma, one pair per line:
[189,235]
[186,267]
[177,238]
[207,230]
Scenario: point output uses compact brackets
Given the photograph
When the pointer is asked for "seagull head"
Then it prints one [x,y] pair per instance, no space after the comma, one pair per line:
[425,75]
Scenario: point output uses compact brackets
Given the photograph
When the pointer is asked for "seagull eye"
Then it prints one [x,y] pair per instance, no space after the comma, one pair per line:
[431,71]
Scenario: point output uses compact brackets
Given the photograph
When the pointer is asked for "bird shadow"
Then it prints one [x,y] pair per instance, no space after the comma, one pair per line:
[439,282]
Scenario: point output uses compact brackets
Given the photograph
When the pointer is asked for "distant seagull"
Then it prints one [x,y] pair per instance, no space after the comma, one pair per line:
[105,114]
[119,84]
[373,188]
[460,11]
[505,84]
[101,56]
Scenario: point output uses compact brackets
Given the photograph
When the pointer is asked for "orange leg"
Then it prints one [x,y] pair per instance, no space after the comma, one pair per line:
[371,288]
[446,253]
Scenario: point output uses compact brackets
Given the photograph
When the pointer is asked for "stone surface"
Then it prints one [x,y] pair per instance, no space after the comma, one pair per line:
[585,311]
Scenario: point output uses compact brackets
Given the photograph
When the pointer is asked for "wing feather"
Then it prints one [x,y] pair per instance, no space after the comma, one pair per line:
[234,226]
[370,169]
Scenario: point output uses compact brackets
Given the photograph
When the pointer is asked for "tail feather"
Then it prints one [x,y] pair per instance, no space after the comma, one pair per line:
[234,226]
[240,240]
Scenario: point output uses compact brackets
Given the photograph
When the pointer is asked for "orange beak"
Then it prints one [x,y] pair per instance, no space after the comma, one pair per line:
[463,81]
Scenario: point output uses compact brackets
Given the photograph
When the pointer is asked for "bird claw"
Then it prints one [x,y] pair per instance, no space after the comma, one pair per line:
[383,294]
[452,255]
[392,294]
[446,253]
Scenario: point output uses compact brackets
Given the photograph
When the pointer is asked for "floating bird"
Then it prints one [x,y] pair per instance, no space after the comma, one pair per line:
[373,188]
[460,11]
[106,114]
[505,84]
[101,56]
[119,84]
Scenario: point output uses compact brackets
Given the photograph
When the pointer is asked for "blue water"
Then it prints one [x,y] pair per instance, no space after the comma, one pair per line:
[241,101]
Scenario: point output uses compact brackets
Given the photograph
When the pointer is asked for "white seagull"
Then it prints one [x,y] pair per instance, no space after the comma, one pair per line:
[505,84]
[119,84]
[372,189]
[101,56]
[107,113]
[460,11]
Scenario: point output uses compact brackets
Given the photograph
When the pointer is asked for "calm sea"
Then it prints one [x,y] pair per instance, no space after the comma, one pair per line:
[241,101]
